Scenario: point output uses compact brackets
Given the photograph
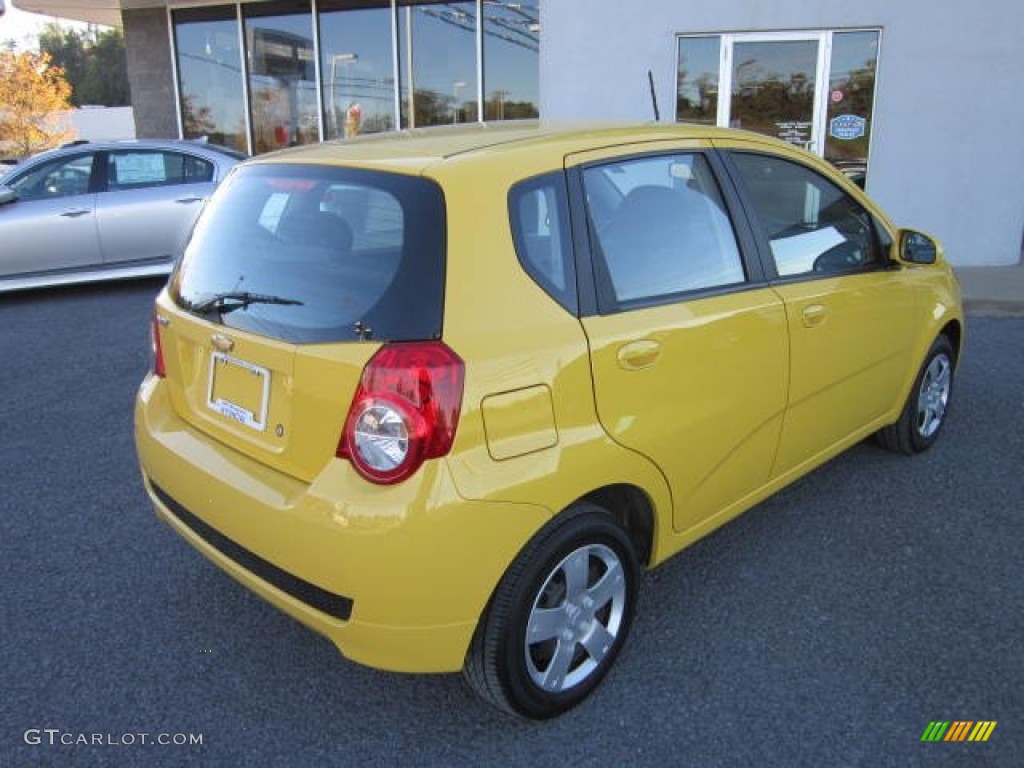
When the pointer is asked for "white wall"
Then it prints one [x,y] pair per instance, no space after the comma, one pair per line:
[947,151]
[103,123]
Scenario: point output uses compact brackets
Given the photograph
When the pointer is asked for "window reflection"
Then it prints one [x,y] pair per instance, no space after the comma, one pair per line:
[851,99]
[437,48]
[697,80]
[282,74]
[773,89]
[356,67]
[210,75]
[511,60]
[435,44]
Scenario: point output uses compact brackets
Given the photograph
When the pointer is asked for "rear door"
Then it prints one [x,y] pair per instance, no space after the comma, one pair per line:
[52,224]
[688,344]
[152,199]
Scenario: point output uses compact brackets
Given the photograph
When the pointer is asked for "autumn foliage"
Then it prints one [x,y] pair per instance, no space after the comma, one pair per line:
[32,93]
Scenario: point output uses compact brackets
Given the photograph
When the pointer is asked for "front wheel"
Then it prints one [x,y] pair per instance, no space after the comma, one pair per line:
[558,618]
[925,410]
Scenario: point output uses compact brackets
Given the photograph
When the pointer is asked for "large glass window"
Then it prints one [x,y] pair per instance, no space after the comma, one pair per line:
[357,43]
[437,47]
[356,67]
[813,89]
[511,60]
[210,75]
[282,74]
[851,101]
[773,87]
[697,79]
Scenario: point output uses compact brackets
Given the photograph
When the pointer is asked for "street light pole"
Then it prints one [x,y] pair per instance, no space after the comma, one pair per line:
[457,86]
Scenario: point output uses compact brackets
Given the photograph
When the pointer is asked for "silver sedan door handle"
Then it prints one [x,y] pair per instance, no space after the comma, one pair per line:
[192,199]
[74,212]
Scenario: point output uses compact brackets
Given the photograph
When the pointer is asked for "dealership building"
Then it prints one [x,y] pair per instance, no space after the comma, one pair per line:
[919,100]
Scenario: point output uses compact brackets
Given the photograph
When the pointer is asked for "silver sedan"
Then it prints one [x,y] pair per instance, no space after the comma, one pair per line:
[103,210]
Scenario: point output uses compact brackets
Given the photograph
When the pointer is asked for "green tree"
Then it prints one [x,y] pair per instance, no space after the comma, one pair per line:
[106,71]
[94,61]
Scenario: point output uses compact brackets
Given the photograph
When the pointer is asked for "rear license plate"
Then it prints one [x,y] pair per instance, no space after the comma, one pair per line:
[239,391]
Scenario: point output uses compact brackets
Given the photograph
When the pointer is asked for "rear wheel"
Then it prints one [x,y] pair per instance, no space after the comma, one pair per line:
[925,410]
[558,618]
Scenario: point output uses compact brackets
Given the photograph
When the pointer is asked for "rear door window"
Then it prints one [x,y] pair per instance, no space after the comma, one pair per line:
[317,254]
[136,169]
[659,229]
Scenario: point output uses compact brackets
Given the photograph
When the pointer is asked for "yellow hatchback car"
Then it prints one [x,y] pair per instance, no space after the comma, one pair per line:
[441,395]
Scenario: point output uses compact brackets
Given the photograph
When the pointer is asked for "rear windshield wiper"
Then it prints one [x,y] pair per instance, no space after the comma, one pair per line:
[232,300]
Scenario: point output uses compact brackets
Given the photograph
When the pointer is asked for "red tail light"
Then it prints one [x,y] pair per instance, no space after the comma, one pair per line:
[158,350]
[404,412]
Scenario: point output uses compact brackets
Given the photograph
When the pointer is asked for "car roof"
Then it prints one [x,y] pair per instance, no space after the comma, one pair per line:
[211,151]
[412,151]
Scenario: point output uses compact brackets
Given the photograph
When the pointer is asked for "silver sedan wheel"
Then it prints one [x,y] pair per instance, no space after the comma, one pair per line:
[934,395]
[575,618]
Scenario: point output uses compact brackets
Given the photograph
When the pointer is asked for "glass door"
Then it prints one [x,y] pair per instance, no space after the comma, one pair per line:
[812,89]
[775,86]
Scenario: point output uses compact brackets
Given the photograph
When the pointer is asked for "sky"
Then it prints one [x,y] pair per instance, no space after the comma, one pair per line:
[24,27]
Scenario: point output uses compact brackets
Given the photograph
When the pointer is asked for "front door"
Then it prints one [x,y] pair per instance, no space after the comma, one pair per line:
[52,224]
[852,321]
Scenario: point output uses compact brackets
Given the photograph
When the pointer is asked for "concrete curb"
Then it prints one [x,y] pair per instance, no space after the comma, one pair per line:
[993,291]
[993,308]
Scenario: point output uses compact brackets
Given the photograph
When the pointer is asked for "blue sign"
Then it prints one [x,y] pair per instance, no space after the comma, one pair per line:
[847,127]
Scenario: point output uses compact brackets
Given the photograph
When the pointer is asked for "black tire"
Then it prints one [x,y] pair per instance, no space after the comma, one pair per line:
[588,621]
[927,406]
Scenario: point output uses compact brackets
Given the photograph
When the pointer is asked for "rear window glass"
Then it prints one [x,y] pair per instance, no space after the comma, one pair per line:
[539,213]
[312,254]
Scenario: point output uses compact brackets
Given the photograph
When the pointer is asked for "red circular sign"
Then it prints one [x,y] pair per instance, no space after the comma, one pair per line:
[837,96]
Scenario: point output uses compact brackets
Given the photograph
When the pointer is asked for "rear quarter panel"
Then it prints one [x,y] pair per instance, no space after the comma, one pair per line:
[517,341]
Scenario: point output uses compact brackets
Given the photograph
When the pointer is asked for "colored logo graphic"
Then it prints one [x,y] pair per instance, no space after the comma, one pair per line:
[959,730]
[847,127]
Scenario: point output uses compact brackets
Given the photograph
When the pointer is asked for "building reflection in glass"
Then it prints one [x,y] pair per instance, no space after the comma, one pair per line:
[851,101]
[511,60]
[282,74]
[697,79]
[356,67]
[210,75]
[437,55]
[449,68]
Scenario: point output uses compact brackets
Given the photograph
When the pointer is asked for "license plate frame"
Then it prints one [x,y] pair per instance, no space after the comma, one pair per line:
[255,417]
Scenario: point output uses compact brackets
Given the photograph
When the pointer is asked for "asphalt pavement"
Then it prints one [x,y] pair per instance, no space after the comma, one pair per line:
[826,627]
